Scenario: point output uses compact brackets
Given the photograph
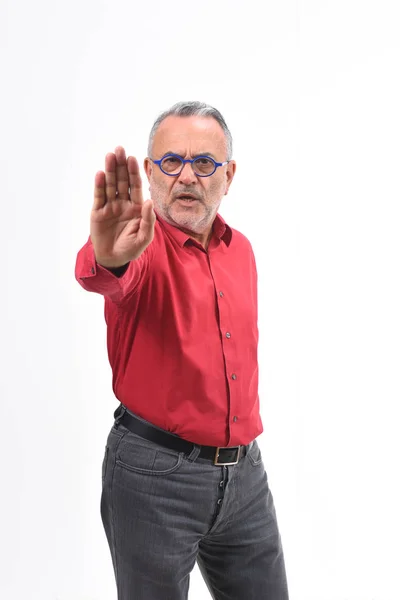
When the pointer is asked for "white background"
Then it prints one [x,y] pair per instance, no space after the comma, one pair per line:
[310,90]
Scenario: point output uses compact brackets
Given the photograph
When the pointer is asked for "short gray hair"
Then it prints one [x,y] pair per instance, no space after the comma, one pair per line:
[189,109]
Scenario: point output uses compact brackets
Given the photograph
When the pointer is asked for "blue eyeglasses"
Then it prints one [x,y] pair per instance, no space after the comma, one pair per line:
[203,166]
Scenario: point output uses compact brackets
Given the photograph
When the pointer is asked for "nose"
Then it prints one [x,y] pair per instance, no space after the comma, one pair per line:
[187,175]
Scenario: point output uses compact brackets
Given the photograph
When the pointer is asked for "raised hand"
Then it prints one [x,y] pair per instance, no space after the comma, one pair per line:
[121,225]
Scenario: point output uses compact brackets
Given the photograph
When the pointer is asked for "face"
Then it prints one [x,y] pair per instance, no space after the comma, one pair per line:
[189,137]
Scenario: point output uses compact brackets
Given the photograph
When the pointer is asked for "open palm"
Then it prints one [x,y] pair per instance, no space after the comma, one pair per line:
[121,225]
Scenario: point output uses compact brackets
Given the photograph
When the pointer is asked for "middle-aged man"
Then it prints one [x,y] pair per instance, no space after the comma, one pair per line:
[183,475]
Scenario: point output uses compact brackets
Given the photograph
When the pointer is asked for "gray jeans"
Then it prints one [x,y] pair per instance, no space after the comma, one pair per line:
[164,510]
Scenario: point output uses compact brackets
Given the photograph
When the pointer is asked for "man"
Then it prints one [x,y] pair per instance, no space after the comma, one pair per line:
[183,476]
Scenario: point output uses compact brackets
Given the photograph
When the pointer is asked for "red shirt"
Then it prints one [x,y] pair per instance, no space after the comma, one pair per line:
[182,333]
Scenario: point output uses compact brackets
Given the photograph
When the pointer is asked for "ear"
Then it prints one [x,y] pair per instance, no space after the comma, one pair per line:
[148,167]
[230,172]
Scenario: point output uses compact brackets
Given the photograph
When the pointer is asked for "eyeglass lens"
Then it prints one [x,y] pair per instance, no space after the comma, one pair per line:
[202,166]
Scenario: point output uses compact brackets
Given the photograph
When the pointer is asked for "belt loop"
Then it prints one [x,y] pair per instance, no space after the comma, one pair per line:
[194,453]
[118,414]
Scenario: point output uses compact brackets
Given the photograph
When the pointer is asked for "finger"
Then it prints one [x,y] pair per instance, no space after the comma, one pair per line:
[99,190]
[135,181]
[110,170]
[148,219]
[121,174]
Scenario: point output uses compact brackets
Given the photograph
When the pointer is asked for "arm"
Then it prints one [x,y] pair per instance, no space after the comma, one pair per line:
[114,283]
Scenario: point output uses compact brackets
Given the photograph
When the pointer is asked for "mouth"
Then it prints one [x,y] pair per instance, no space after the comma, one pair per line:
[187,199]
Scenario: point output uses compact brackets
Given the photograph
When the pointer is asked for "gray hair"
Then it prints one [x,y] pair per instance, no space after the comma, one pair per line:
[189,109]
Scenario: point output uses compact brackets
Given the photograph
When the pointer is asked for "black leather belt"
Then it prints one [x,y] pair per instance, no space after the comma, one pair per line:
[219,455]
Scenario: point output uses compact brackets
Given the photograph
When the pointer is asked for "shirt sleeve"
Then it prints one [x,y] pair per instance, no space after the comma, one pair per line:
[95,278]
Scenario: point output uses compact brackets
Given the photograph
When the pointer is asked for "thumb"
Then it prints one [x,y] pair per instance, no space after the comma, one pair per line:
[148,217]
[150,208]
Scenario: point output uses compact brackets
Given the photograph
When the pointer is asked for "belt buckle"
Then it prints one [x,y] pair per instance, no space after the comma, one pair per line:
[226,463]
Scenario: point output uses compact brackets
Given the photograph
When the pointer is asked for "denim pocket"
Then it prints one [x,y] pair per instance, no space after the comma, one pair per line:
[255,454]
[143,456]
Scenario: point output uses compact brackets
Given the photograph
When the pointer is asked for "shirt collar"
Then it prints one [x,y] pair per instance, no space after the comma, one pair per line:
[220,229]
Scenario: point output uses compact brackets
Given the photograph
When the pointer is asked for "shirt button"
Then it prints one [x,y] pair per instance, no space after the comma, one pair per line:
[92,270]
[228,335]
[234,376]
[235,419]
[221,294]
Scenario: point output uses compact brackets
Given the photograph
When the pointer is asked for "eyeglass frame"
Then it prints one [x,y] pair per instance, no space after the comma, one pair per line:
[191,161]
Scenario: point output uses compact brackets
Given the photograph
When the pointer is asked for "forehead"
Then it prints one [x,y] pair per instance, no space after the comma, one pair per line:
[191,135]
